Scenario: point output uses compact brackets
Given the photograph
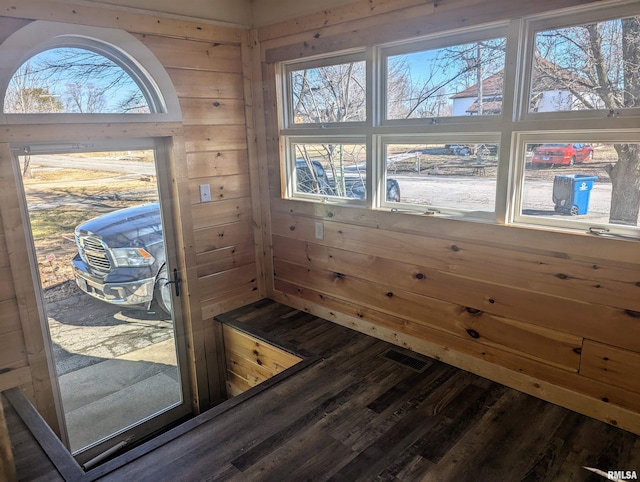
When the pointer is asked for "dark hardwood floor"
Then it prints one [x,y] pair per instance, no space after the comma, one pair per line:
[348,413]
[354,415]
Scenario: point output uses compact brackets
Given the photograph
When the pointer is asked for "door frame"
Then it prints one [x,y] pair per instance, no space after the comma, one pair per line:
[166,126]
[162,150]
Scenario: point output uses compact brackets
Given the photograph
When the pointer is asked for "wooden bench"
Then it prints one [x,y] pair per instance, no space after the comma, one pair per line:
[251,360]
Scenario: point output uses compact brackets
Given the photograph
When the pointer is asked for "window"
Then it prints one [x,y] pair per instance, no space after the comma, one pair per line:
[499,123]
[328,93]
[73,80]
[77,69]
[581,167]
[454,177]
[573,183]
[586,67]
[336,170]
[455,80]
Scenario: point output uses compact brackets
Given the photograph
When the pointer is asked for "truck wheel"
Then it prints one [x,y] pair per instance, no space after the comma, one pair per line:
[163,290]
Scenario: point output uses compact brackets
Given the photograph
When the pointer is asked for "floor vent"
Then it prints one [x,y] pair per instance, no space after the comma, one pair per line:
[405,360]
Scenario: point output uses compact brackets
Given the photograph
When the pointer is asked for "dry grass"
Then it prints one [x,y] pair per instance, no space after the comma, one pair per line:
[45,174]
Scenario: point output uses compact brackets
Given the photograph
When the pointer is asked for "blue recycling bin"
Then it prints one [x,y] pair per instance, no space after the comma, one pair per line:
[571,193]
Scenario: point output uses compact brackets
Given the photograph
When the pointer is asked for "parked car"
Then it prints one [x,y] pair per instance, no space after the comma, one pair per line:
[561,154]
[319,182]
[121,258]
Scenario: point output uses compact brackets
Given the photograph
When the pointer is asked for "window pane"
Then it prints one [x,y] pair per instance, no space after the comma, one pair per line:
[332,93]
[459,177]
[73,80]
[461,80]
[593,66]
[331,170]
[582,182]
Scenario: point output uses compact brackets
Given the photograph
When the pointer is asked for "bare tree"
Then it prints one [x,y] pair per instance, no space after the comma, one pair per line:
[84,98]
[409,96]
[599,64]
[335,93]
[87,81]
[420,85]
[28,92]
[325,95]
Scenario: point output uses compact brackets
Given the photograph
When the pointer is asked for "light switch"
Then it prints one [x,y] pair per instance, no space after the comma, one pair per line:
[205,193]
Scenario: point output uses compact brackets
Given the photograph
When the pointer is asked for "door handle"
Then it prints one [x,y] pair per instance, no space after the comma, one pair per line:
[175,282]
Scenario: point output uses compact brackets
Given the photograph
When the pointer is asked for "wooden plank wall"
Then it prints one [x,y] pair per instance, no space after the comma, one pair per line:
[551,314]
[209,82]
[219,238]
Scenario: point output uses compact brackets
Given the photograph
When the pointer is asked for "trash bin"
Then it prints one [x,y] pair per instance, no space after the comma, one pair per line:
[571,193]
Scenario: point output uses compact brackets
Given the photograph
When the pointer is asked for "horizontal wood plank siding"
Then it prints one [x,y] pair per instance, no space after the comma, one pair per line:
[547,312]
[194,55]
[209,84]
[610,364]
[100,16]
[251,361]
[388,25]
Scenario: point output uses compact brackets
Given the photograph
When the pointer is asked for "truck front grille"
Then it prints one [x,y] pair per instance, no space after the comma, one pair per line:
[94,253]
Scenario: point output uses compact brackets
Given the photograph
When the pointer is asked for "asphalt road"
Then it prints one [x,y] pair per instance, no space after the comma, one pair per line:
[477,193]
[86,331]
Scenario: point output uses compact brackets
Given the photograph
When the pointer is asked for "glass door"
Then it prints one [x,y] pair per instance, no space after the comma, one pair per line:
[103,258]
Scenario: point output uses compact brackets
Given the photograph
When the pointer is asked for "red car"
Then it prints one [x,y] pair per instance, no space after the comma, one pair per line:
[561,154]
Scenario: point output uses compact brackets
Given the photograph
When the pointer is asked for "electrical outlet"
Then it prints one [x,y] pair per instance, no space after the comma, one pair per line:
[319,231]
[205,193]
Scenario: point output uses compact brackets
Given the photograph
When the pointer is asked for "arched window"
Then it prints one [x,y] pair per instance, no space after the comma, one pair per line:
[74,80]
[51,68]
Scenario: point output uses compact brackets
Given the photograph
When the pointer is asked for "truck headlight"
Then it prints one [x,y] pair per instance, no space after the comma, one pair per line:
[131,257]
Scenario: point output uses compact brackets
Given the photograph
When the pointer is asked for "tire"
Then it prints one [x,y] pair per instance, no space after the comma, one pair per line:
[574,210]
[163,293]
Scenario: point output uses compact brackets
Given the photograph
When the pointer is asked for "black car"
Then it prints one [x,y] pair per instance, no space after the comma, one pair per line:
[316,181]
[121,258]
